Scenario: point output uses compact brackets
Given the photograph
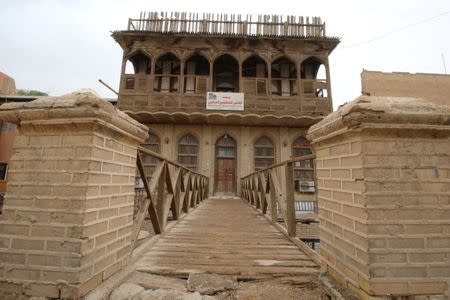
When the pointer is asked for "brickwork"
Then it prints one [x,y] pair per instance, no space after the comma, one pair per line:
[68,213]
[383,173]
[432,87]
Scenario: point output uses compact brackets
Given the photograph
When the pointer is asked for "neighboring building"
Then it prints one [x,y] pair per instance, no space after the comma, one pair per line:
[228,97]
[7,132]
[432,87]
[7,85]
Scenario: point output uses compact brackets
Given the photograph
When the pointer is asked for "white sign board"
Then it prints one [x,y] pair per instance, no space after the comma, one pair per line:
[224,101]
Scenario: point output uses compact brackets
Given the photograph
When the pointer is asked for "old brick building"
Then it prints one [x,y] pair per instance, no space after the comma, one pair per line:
[269,81]
[226,95]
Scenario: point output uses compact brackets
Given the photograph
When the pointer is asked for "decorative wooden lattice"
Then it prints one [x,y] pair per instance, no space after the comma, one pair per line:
[264,153]
[188,151]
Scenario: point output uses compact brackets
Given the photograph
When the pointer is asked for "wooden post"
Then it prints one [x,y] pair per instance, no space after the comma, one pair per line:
[161,200]
[273,196]
[291,221]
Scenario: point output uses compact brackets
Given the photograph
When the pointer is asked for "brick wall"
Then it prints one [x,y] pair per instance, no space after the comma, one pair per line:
[383,169]
[68,213]
[432,87]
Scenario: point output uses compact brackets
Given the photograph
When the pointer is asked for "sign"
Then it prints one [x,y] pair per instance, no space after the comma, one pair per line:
[224,101]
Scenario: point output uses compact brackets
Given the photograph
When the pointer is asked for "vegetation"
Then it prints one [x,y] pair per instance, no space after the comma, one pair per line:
[31,93]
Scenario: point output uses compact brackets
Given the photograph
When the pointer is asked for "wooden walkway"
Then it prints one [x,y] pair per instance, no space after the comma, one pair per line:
[226,236]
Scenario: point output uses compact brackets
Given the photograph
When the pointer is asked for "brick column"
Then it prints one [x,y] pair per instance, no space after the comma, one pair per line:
[68,212]
[383,173]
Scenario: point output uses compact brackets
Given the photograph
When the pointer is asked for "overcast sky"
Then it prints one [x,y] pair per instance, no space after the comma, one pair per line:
[62,46]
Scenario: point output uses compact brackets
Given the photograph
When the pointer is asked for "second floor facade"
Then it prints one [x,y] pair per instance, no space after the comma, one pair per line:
[277,75]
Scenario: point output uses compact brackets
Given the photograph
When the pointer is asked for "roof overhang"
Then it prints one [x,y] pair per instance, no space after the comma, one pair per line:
[224,119]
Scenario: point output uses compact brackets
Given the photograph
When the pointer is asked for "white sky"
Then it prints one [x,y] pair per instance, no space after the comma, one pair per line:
[62,46]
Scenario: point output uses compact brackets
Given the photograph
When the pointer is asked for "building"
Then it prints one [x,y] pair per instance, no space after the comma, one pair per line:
[7,85]
[227,95]
[432,87]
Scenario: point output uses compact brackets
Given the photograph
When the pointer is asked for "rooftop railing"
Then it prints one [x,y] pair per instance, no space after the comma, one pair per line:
[228,24]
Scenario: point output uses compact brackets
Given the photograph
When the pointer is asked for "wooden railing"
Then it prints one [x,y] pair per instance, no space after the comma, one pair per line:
[171,188]
[198,84]
[271,189]
[225,24]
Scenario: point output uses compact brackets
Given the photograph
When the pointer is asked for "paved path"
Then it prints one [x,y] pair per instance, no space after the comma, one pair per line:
[226,236]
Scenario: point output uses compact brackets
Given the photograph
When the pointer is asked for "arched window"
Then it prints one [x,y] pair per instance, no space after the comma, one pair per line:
[264,153]
[226,74]
[303,170]
[188,151]
[197,74]
[152,143]
[138,64]
[313,76]
[167,71]
[254,73]
[284,75]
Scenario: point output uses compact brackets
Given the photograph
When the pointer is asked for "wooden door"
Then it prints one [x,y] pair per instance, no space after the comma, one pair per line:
[225,179]
[225,175]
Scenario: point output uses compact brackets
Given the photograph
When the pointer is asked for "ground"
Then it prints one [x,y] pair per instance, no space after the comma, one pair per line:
[141,286]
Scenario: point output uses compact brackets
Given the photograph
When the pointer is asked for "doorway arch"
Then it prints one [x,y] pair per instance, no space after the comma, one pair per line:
[225,165]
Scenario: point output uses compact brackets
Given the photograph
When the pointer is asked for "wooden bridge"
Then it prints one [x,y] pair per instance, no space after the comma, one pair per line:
[224,235]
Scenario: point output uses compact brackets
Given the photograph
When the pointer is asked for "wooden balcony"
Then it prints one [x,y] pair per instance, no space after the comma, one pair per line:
[157,95]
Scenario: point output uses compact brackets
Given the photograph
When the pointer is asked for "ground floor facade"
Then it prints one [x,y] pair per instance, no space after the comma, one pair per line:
[227,153]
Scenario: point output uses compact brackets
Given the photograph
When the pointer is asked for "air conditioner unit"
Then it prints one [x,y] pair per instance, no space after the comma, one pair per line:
[304,186]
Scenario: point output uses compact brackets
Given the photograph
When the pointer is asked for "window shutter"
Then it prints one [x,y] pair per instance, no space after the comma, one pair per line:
[129,83]
[261,87]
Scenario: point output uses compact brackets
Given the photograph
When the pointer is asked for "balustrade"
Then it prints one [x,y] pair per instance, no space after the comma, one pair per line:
[171,188]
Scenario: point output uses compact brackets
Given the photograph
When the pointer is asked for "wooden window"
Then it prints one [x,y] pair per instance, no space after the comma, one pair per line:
[167,71]
[303,170]
[188,151]
[284,75]
[264,153]
[196,74]
[254,73]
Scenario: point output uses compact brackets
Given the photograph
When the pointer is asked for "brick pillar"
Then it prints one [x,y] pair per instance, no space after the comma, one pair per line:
[68,212]
[383,173]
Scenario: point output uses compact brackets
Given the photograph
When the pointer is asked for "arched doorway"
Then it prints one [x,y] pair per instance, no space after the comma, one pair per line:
[225,175]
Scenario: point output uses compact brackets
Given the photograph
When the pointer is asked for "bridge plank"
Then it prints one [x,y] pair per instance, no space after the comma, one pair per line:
[226,236]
